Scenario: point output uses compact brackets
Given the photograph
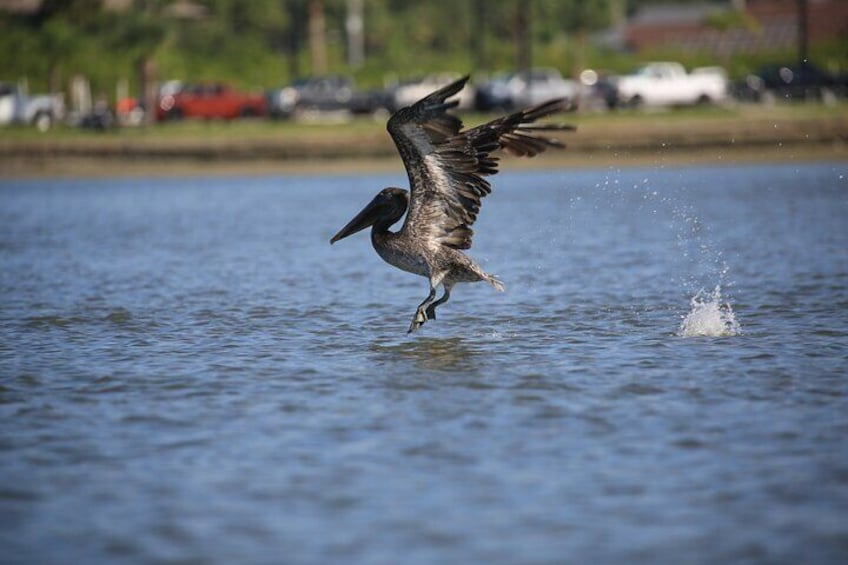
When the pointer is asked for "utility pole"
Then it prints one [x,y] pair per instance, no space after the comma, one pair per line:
[354,24]
[479,26]
[523,36]
[317,41]
[298,21]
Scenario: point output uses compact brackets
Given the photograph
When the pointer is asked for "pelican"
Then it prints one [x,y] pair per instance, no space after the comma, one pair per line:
[446,166]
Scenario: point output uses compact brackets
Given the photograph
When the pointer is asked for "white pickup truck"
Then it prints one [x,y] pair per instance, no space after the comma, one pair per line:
[668,84]
[16,107]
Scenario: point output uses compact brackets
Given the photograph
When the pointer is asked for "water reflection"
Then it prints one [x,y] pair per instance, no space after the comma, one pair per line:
[451,355]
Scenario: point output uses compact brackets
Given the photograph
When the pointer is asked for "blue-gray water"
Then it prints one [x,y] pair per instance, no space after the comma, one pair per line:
[189,373]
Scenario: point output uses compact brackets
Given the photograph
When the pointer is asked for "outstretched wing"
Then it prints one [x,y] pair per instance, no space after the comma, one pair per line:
[446,165]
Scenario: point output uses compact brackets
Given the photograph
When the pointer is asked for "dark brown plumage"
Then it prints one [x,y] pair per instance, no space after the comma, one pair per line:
[446,167]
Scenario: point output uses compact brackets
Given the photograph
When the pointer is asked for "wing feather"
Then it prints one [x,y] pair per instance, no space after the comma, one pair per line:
[446,164]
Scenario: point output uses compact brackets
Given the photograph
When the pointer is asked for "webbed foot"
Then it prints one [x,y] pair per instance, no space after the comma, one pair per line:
[418,320]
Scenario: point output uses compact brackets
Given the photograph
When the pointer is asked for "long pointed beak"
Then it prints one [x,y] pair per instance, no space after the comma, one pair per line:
[367,217]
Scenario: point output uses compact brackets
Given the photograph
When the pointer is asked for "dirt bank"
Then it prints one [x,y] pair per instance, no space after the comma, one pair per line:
[597,143]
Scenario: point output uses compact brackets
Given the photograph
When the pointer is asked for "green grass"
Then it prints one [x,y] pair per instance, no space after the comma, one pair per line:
[732,111]
[212,131]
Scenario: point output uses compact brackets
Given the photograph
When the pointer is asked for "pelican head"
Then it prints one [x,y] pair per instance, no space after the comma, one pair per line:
[384,210]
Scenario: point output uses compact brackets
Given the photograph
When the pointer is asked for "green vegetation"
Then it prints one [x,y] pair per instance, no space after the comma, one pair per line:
[197,131]
[264,43]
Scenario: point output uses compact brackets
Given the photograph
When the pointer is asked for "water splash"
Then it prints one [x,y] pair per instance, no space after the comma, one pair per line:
[709,317]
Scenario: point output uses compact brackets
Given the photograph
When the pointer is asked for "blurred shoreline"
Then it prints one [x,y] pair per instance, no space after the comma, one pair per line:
[341,150]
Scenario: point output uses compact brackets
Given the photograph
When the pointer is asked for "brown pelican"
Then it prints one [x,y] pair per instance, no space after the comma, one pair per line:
[446,166]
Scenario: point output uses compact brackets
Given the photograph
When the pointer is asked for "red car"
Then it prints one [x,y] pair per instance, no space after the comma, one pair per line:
[211,101]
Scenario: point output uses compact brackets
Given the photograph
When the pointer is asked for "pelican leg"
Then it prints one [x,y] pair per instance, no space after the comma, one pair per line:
[421,313]
[431,309]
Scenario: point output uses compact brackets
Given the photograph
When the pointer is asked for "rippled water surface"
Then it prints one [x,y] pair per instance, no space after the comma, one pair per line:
[189,373]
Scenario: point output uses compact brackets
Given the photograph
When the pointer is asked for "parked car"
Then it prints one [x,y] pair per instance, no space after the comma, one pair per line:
[325,94]
[521,89]
[668,84]
[598,90]
[17,107]
[791,82]
[410,92]
[100,118]
[210,101]
[494,94]
[540,85]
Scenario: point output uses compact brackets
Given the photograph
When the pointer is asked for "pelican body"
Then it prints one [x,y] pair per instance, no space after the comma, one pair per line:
[446,166]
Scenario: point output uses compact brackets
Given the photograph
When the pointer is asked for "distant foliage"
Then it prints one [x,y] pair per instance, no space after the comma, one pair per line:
[265,43]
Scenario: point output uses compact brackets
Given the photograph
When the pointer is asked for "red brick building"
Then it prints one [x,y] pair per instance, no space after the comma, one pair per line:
[711,27]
